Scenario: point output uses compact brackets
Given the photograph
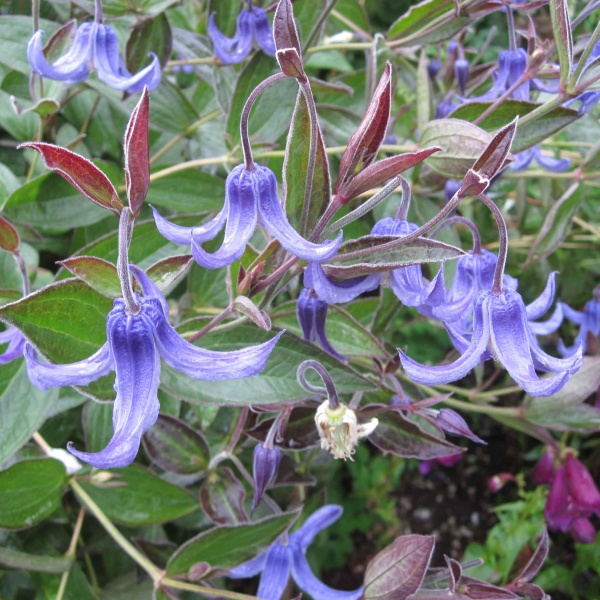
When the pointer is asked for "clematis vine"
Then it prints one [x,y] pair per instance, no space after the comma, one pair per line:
[588,321]
[500,329]
[138,336]
[287,556]
[252,24]
[95,46]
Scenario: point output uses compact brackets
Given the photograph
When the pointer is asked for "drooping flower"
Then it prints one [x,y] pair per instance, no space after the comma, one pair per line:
[248,196]
[543,470]
[312,315]
[500,329]
[588,321]
[251,24]
[287,556]
[265,464]
[95,47]
[135,344]
[333,292]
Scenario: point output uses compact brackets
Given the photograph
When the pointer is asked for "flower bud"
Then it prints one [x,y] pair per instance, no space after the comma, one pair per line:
[264,468]
[543,469]
[451,422]
[583,531]
[461,73]
[556,510]
[581,486]
[498,481]
[339,429]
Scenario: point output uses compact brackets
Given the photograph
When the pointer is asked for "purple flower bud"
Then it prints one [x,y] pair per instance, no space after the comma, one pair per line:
[450,460]
[265,464]
[556,510]
[543,469]
[498,481]
[583,531]
[461,73]
[581,486]
[433,68]
[451,422]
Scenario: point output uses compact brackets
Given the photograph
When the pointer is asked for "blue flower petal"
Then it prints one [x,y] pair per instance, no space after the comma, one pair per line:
[137,366]
[549,326]
[16,345]
[274,219]
[236,49]
[334,292]
[276,574]
[206,364]
[72,66]
[539,307]
[263,32]
[319,520]
[250,568]
[83,372]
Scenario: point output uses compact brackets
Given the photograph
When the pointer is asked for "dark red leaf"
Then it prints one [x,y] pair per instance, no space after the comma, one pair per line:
[291,64]
[137,157]
[285,32]
[81,173]
[364,144]
[381,171]
[222,498]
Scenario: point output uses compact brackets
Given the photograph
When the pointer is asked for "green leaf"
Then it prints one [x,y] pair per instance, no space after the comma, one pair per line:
[67,322]
[423,92]
[99,274]
[303,215]
[135,497]
[23,407]
[34,562]
[346,334]
[226,547]
[30,492]
[376,254]
[187,191]
[222,497]
[462,143]
[9,182]
[563,36]
[528,134]
[171,109]
[275,384]
[207,287]
[270,116]
[556,225]
[419,18]
[48,202]
[97,425]
[149,35]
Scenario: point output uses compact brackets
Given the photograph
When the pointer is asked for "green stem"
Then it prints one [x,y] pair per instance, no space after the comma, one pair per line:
[150,568]
[71,554]
[544,109]
[576,74]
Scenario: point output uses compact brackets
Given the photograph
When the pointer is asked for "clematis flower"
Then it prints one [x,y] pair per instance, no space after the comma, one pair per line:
[312,315]
[588,321]
[251,24]
[332,292]
[248,195]
[134,347]
[287,556]
[524,159]
[16,344]
[501,329]
[96,47]
[265,464]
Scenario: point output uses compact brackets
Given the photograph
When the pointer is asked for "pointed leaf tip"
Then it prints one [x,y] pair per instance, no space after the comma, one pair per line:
[81,173]
[9,238]
[137,157]
[285,32]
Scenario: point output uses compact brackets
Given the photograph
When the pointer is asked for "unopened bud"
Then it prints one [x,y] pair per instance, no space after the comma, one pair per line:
[339,429]
[497,482]
[544,468]
[265,464]
[461,73]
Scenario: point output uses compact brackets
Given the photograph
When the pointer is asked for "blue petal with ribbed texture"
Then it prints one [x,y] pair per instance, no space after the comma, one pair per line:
[275,221]
[334,292]
[263,32]
[232,50]
[550,325]
[541,305]
[137,366]
[16,345]
[250,568]
[319,520]
[72,66]
[46,375]
[111,69]
[276,574]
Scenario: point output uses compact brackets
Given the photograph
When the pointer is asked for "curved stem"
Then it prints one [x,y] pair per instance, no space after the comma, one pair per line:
[24,275]
[126,220]
[246,149]
[98,11]
[503,248]
[512,36]
[329,388]
[402,212]
[463,221]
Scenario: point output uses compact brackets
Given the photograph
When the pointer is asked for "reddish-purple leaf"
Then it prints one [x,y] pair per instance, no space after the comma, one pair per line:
[376,173]
[291,64]
[167,271]
[174,446]
[81,173]
[531,569]
[481,590]
[300,432]
[491,161]
[285,32]
[222,498]
[398,570]
[137,157]
[246,307]
[364,144]
[455,572]
[98,273]
[9,238]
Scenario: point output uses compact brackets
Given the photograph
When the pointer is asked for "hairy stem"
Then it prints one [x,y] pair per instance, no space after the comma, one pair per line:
[126,220]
